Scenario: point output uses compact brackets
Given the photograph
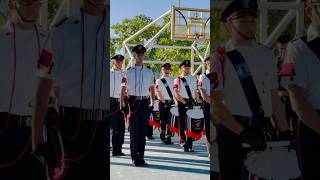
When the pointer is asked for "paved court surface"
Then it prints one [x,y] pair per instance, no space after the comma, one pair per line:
[166,162]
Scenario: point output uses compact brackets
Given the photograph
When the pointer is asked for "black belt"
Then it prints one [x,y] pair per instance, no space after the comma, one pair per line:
[87,114]
[245,121]
[112,99]
[139,97]
[14,120]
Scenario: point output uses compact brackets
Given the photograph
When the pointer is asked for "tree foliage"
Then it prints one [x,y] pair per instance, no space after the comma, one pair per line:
[130,26]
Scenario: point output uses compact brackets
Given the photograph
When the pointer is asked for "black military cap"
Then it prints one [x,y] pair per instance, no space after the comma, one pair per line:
[239,7]
[166,65]
[185,63]
[139,48]
[118,57]
[208,59]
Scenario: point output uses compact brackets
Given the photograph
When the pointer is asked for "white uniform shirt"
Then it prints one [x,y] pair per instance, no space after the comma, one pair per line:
[117,80]
[261,63]
[65,45]
[139,80]
[27,55]
[204,83]
[192,82]
[162,88]
[306,66]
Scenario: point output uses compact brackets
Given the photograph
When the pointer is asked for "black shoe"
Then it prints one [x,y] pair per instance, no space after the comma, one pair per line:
[190,150]
[121,154]
[118,154]
[139,163]
[144,163]
[168,141]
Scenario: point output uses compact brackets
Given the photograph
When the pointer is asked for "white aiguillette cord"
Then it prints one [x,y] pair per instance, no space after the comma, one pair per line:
[14,161]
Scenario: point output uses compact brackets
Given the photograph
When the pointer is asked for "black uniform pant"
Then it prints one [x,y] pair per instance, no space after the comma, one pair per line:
[186,142]
[117,123]
[164,117]
[308,146]
[138,123]
[149,130]
[206,112]
[16,160]
[231,154]
[86,146]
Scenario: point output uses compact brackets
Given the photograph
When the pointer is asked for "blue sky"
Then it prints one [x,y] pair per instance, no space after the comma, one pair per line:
[121,9]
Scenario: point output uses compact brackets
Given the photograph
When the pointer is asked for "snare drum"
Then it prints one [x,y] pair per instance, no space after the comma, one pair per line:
[154,119]
[174,120]
[276,162]
[195,123]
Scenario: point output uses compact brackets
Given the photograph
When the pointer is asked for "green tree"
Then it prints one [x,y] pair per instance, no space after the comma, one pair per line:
[130,26]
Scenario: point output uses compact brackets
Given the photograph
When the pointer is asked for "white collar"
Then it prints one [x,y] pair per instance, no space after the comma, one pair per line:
[230,45]
[312,33]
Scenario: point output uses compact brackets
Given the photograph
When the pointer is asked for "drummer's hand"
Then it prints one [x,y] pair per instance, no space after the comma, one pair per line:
[255,139]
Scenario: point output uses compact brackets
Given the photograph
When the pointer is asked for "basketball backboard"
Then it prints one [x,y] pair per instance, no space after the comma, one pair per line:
[190,24]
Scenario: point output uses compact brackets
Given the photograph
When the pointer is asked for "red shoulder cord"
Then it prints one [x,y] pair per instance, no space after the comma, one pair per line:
[222,58]
[12,93]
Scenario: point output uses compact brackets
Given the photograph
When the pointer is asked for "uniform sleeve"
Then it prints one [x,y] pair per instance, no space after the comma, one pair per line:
[176,83]
[51,56]
[217,74]
[293,70]
[151,79]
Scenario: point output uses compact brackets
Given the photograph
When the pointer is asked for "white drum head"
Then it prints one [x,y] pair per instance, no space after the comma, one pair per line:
[174,111]
[195,113]
[275,163]
[156,105]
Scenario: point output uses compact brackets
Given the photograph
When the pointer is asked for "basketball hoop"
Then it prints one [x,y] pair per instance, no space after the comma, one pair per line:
[199,38]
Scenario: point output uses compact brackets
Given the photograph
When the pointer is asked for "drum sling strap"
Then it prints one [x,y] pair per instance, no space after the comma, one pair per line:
[249,87]
[186,85]
[167,88]
[313,45]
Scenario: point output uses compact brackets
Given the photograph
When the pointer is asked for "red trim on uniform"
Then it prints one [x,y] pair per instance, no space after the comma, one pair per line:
[195,136]
[156,85]
[173,129]
[45,58]
[200,83]
[220,51]
[124,80]
[154,123]
[176,83]
[287,70]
